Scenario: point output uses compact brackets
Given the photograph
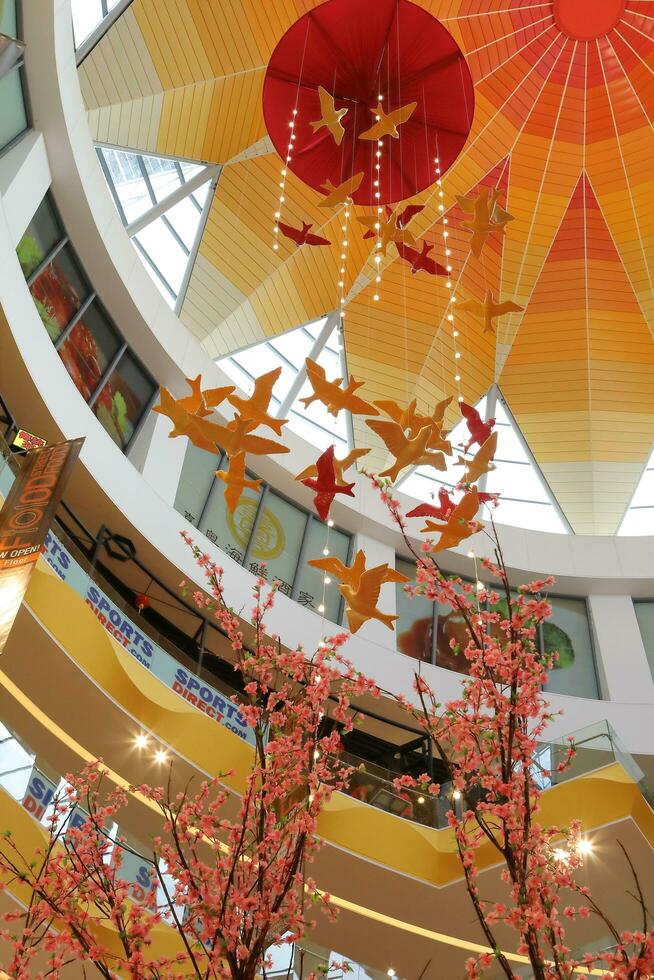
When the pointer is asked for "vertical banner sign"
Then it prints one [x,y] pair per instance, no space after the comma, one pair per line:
[25,519]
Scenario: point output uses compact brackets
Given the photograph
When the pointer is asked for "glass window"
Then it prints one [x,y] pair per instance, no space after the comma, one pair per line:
[59,292]
[197,478]
[278,540]
[568,632]
[230,532]
[87,15]
[311,588]
[86,352]
[8,23]
[13,118]
[645,617]
[42,234]
[165,251]
[123,399]
[414,628]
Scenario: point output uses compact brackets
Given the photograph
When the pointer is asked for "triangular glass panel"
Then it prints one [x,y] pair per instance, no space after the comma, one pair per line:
[525,498]
[88,15]
[639,516]
[319,340]
[140,185]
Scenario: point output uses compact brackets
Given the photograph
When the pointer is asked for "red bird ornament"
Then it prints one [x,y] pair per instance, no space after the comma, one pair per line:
[303,235]
[325,486]
[420,260]
[441,513]
[478,429]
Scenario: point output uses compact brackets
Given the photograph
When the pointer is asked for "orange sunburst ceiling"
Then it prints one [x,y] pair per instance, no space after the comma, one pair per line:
[563,123]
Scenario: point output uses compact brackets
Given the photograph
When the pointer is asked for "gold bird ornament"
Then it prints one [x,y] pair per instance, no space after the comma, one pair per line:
[362,598]
[481,463]
[489,310]
[389,230]
[332,396]
[460,524]
[351,575]
[341,466]
[386,123]
[407,452]
[341,194]
[487,217]
[236,481]
[255,408]
[330,116]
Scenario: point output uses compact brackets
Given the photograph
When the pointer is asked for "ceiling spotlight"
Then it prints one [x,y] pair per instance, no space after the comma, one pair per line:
[560,855]
[141,741]
[421,799]
[160,756]
[584,847]
[456,795]
[391,972]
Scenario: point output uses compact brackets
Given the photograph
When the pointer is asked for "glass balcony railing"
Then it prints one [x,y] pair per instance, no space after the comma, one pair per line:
[597,746]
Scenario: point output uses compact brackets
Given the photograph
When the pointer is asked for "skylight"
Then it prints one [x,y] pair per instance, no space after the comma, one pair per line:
[639,516]
[321,342]
[88,15]
[163,204]
[525,498]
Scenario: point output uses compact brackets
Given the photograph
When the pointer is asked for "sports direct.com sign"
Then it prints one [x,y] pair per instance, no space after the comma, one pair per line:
[205,698]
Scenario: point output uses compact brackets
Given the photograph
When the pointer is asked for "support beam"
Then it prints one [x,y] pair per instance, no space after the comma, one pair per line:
[318,345]
[195,247]
[181,192]
[96,36]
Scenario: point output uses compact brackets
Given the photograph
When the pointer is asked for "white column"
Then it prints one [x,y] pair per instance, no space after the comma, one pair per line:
[24,181]
[378,553]
[163,461]
[621,658]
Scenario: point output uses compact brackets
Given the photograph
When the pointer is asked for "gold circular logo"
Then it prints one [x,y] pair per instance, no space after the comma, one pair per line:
[269,540]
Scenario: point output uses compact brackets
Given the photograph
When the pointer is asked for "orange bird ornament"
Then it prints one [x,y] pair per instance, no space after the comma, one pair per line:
[236,481]
[342,193]
[361,599]
[351,575]
[386,123]
[481,463]
[407,452]
[460,524]
[388,231]
[255,408]
[487,217]
[325,486]
[489,310]
[332,396]
[330,116]
[233,438]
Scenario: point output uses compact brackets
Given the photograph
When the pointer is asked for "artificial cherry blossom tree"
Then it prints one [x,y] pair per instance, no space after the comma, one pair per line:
[489,741]
[229,873]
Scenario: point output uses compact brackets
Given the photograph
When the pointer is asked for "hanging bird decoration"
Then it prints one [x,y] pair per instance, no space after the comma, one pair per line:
[420,260]
[325,485]
[489,310]
[332,396]
[409,418]
[481,463]
[441,513]
[460,524]
[487,217]
[361,599]
[403,217]
[407,452]
[386,123]
[478,429]
[198,403]
[194,403]
[255,408]
[330,116]
[302,236]
[341,194]
[388,231]
[341,466]
[236,481]
[351,575]
[183,421]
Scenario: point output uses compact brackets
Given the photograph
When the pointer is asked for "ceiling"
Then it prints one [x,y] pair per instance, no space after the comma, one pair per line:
[562,124]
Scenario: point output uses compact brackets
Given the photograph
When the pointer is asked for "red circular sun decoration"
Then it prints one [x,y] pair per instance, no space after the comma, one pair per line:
[357,50]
